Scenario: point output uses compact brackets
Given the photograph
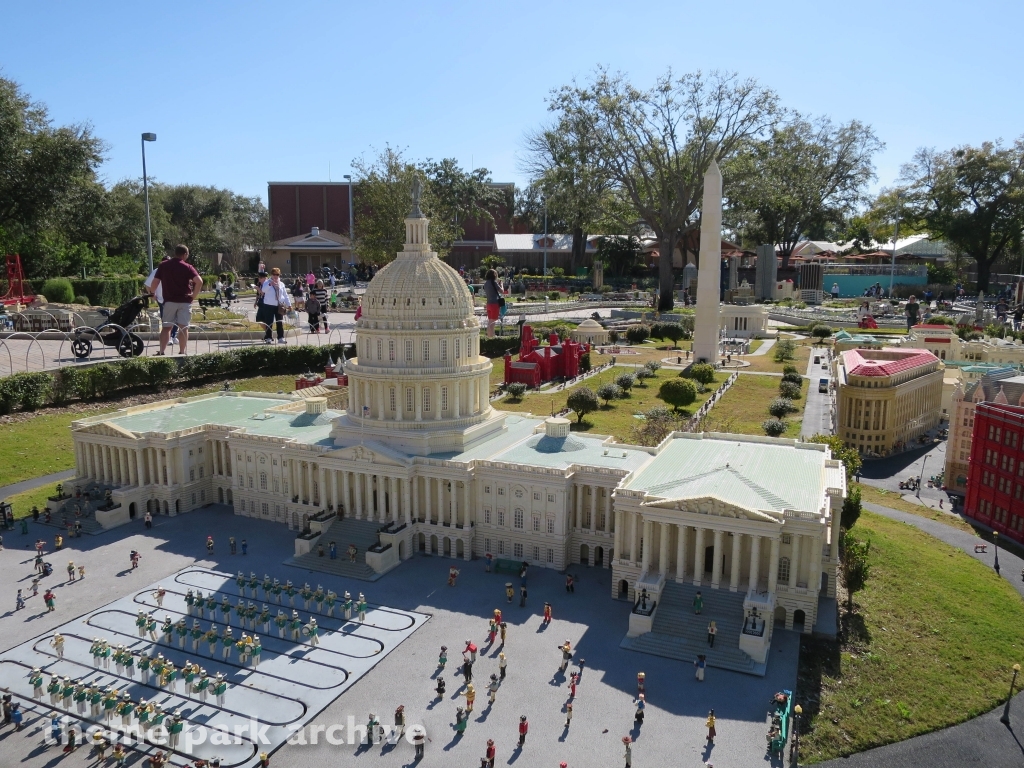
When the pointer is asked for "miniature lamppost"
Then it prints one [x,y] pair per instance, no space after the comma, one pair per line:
[995,543]
[1005,719]
[797,711]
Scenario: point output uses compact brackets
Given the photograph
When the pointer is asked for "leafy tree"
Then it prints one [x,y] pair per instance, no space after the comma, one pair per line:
[582,402]
[637,334]
[625,382]
[675,333]
[971,197]
[790,390]
[658,423]
[516,390]
[851,508]
[796,378]
[493,261]
[653,366]
[841,451]
[785,349]
[786,369]
[822,331]
[609,392]
[642,374]
[773,427]
[657,144]
[702,372]
[58,290]
[678,393]
[780,407]
[619,253]
[800,181]
[853,563]
[585,364]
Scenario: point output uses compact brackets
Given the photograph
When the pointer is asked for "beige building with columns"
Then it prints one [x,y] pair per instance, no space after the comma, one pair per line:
[418,453]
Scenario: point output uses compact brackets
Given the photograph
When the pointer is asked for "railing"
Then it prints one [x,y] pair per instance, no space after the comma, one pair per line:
[644,611]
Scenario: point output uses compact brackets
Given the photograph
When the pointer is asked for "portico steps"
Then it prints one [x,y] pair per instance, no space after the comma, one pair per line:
[342,531]
[678,633]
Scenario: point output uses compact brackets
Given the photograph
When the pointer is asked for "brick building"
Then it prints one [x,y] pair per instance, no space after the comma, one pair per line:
[995,485]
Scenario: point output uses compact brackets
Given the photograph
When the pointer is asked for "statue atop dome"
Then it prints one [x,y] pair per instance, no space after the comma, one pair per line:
[417,191]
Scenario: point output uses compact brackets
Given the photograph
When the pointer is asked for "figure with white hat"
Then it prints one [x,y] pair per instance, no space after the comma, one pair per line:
[281,621]
[54,690]
[141,621]
[330,599]
[348,606]
[314,632]
[227,643]
[257,649]
[264,618]
[190,601]
[35,677]
[174,730]
[144,667]
[58,644]
[361,607]
[181,630]
[212,638]
[296,626]
[159,596]
[220,687]
[196,633]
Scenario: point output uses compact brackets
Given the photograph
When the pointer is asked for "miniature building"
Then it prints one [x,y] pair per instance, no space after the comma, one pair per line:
[590,332]
[744,321]
[995,489]
[943,342]
[537,365]
[887,397]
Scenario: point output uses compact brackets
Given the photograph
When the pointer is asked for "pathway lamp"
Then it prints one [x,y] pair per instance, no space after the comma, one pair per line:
[1005,719]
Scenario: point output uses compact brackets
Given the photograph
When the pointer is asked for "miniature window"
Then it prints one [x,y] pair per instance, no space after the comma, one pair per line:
[457,355]
[266,509]
[551,497]
[501,491]
[487,489]
[501,547]
[551,555]
[517,550]
[410,406]
[536,553]
[201,473]
[536,496]
[426,351]
[501,518]
[380,349]
[551,525]
[536,523]
[391,350]
[191,474]
[408,350]
[190,452]
[444,399]
[193,499]
[784,569]
[391,399]
[787,539]
[444,350]
[519,494]
[517,519]
[487,545]
[487,515]
[200,450]
[426,400]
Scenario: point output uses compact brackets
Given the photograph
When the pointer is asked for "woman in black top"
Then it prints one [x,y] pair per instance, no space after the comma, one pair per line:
[317,301]
[493,295]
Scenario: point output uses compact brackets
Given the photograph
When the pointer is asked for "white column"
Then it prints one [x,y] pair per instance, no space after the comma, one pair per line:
[466,504]
[119,465]
[663,529]
[169,456]
[634,542]
[457,404]
[716,561]
[646,557]
[417,396]
[485,391]
[814,564]
[755,563]
[593,508]
[617,539]
[773,565]
[151,467]
[379,389]
[336,500]
[399,401]
[734,565]
[358,482]
[428,499]
[406,501]
[455,503]
[322,485]
[133,467]
[578,521]
[442,512]
[681,531]
[794,560]
[437,402]
[414,481]
[346,494]
[698,557]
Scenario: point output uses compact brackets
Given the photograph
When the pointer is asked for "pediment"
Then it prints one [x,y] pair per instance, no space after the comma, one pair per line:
[106,429]
[715,507]
[369,454]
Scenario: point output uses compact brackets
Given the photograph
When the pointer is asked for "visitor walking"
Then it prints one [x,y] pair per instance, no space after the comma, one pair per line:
[158,294]
[275,306]
[180,283]
[712,631]
[492,294]
[913,310]
[316,307]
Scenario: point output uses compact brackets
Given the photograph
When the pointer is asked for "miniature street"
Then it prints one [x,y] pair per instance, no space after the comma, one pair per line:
[371,667]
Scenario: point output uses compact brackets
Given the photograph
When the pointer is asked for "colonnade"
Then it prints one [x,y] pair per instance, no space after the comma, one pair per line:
[589,511]
[145,465]
[391,401]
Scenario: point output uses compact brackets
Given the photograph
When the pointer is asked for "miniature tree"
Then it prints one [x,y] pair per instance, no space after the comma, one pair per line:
[853,562]
[822,332]
[702,372]
[653,366]
[796,378]
[773,427]
[625,381]
[785,349]
[780,407]
[642,374]
[516,390]
[678,393]
[789,389]
[638,334]
[851,508]
[582,402]
[609,392]
[675,333]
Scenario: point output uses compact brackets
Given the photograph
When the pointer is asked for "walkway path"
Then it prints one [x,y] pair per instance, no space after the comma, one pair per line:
[983,741]
[35,482]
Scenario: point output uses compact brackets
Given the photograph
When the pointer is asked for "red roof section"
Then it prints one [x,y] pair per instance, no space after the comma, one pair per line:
[934,326]
[858,362]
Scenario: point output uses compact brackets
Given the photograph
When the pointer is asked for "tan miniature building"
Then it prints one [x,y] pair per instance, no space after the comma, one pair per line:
[590,332]
[744,321]
[943,342]
[887,397]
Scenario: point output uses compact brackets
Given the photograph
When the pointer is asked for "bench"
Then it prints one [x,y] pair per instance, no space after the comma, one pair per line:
[982,548]
[507,566]
[205,304]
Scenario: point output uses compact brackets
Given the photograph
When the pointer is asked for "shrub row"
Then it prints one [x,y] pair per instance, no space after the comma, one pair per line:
[100,291]
[28,391]
[498,346]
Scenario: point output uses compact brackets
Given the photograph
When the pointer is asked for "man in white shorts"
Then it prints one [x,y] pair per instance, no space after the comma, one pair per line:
[179,282]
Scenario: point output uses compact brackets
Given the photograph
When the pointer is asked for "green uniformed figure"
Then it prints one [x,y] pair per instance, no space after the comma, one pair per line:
[212,638]
[142,622]
[142,711]
[174,730]
[461,718]
[190,601]
[267,584]
[119,659]
[94,651]
[314,632]
[240,612]
[181,630]
[276,590]
[170,677]
[242,645]
[361,607]
[240,581]
[289,589]
[220,687]
[211,605]
[253,582]
[35,679]
[157,715]
[129,663]
[144,667]
[202,685]
[330,599]
[227,643]
[296,626]
[348,606]
[318,598]
[80,697]
[225,610]
[110,702]
[257,649]
[95,702]
[125,709]
[157,665]
[54,690]
[105,654]
[196,633]
[250,615]
[264,618]
[67,691]
[151,627]
[307,595]
[281,621]
[189,672]
[372,726]
[200,603]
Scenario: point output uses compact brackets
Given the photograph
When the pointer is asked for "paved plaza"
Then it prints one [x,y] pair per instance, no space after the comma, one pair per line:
[391,660]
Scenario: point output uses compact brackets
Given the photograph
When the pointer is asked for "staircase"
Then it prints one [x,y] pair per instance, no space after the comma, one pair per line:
[88,521]
[678,633]
[343,531]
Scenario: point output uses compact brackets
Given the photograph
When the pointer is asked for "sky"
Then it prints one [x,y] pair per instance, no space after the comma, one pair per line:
[240,94]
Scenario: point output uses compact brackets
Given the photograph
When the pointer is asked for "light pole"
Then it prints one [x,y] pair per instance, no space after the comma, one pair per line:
[995,543]
[351,234]
[145,191]
[797,710]
[895,236]
[921,477]
[545,254]
[1005,719]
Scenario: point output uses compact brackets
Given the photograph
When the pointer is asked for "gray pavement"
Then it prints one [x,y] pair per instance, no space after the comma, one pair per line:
[887,473]
[673,732]
[817,418]
[35,482]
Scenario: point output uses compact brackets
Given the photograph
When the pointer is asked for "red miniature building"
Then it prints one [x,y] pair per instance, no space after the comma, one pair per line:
[309,380]
[537,364]
[995,480]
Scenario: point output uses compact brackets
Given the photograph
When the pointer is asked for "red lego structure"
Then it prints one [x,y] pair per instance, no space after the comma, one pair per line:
[309,380]
[995,481]
[15,283]
[537,364]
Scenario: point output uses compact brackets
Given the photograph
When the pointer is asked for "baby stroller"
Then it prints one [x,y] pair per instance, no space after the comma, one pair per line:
[113,333]
[867,322]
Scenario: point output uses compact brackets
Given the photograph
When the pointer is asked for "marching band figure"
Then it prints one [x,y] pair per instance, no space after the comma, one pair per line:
[289,589]
[307,595]
[196,633]
[67,691]
[264,618]
[96,702]
[314,632]
[296,626]
[144,667]
[190,601]
[58,644]
[348,606]
[109,704]
[225,610]
[212,638]
[361,607]
[170,676]
[200,604]
[54,690]
[80,696]
[202,685]
[151,626]
[188,673]
[159,596]
[129,663]
[181,630]
[257,649]
[220,686]
[281,621]
[276,590]
[94,651]
[253,582]
[105,653]
[318,598]
[240,581]
[35,677]
[141,622]
[125,709]
[243,649]
[174,730]
[267,584]
[211,606]
[227,643]
[167,630]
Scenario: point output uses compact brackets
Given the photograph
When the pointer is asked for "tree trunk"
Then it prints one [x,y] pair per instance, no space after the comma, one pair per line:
[786,253]
[666,276]
[984,271]
[579,248]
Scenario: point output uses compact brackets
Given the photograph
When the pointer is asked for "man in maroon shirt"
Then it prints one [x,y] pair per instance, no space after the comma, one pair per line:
[181,282]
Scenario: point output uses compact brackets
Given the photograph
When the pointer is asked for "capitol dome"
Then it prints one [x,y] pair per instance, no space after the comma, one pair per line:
[418,382]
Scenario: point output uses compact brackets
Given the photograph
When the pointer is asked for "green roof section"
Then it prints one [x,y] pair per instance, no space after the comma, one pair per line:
[757,474]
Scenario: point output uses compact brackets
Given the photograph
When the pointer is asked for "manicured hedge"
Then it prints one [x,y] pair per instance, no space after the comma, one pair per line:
[498,346]
[28,391]
[107,291]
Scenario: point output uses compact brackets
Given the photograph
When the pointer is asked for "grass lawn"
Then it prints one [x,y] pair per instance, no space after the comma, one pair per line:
[894,500]
[742,409]
[766,363]
[615,419]
[24,435]
[23,502]
[931,644]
